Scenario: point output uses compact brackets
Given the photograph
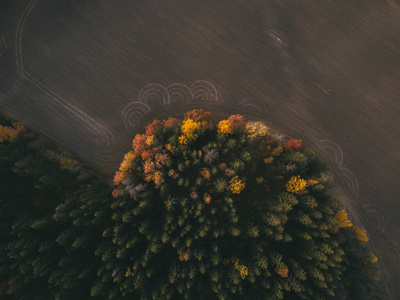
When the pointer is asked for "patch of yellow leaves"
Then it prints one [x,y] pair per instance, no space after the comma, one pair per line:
[372,258]
[236,185]
[188,131]
[124,168]
[225,126]
[170,148]
[311,182]
[268,160]
[256,129]
[361,234]
[296,184]
[342,219]
[244,271]
[277,151]
[150,140]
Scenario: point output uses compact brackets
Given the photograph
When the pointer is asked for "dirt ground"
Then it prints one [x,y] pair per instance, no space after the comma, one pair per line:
[90,74]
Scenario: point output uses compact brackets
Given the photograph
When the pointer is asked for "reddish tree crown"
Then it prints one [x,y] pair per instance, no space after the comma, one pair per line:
[294,145]
[151,128]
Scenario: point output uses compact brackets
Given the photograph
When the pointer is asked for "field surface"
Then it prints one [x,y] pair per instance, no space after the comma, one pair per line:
[90,74]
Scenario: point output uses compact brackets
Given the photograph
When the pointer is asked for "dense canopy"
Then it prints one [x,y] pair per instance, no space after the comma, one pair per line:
[222,210]
[199,209]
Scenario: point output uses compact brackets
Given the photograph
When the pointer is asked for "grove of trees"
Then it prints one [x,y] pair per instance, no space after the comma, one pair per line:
[198,209]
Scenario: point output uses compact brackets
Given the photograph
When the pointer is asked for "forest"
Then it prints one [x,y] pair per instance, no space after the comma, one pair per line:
[199,208]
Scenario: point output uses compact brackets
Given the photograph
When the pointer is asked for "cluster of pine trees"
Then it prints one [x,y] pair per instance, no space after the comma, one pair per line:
[200,209]
[50,214]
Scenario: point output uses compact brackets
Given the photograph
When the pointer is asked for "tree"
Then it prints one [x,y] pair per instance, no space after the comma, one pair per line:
[139,143]
[256,129]
[361,234]
[294,145]
[296,184]
[225,126]
[201,116]
[151,128]
[237,121]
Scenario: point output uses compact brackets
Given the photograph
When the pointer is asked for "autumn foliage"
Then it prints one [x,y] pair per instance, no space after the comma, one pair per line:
[224,215]
[283,272]
[205,172]
[236,185]
[151,128]
[256,129]
[225,126]
[243,270]
[232,124]
[372,258]
[277,151]
[139,143]
[218,207]
[237,121]
[10,134]
[188,130]
[124,168]
[171,123]
[294,145]
[205,118]
[115,193]
[342,219]
[361,234]
[296,184]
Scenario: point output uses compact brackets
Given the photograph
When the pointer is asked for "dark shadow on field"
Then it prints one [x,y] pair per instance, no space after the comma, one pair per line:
[90,74]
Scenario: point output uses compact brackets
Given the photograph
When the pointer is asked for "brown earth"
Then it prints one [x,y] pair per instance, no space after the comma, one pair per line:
[89,74]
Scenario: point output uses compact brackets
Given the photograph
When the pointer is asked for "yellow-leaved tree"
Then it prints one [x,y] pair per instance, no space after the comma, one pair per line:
[296,184]
[188,131]
[256,129]
[225,126]
[342,219]
[236,185]
[361,234]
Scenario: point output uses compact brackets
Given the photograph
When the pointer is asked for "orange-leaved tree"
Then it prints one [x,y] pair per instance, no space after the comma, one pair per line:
[10,134]
[294,145]
[139,143]
[237,121]
[205,118]
[225,126]
[236,185]
[151,128]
